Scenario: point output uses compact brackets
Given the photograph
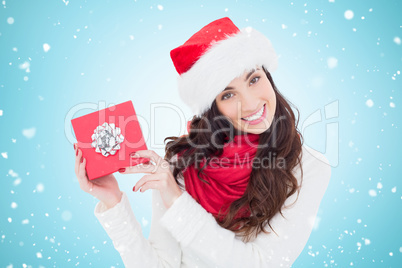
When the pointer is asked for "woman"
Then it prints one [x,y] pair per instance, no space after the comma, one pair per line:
[240,190]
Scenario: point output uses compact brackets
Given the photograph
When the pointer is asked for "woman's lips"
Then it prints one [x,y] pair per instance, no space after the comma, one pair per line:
[263,107]
[258,120]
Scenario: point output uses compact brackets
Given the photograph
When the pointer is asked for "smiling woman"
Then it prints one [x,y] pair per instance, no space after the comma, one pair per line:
[240,190]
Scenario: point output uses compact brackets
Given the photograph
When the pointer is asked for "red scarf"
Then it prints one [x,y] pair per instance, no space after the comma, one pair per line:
[228,176]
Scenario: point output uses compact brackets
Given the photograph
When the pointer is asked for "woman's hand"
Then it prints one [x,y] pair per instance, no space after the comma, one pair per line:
[160,177]
[105,188]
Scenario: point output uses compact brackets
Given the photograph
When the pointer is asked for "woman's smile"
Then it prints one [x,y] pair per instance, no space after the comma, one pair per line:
[256,117]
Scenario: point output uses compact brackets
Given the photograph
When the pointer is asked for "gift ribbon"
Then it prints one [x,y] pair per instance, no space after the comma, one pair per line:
[106,139]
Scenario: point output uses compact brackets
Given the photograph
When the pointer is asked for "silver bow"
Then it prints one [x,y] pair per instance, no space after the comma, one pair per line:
[106,139]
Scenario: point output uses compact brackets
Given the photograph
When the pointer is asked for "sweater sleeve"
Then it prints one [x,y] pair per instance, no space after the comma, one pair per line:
[119,222]
[197,230]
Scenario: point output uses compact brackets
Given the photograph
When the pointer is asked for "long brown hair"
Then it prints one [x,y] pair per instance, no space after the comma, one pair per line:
[268,188]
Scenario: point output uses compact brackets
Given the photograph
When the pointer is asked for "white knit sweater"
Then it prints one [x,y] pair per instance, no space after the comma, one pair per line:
[186,235]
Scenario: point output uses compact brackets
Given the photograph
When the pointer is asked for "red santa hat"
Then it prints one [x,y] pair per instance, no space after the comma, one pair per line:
[214,56]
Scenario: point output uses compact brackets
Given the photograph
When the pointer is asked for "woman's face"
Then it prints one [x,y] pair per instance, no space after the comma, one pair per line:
[249,102]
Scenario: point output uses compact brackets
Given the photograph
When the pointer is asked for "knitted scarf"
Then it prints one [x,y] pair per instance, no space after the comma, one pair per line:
[227,175]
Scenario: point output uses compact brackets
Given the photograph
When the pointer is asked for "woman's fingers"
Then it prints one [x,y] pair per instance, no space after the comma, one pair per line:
[78,155]
[149,154]
[141,168]
[160,163]
[148,185]
[75,155]
[85,184]
[144,180]
[164,182]
[80,171]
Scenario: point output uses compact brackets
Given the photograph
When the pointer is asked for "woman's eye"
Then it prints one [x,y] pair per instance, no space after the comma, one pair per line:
[224,96]
[255,79]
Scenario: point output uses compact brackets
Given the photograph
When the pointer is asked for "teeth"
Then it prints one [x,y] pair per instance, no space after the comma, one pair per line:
[256,116]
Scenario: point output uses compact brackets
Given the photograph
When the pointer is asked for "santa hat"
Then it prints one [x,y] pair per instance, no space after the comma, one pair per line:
[214,56]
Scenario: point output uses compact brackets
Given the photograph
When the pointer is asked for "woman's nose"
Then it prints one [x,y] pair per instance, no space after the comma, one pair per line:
[248,104]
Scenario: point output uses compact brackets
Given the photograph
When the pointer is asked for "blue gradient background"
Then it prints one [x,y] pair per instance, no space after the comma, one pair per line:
[108,52]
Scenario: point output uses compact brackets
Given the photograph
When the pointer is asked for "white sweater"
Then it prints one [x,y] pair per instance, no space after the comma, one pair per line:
[186,235]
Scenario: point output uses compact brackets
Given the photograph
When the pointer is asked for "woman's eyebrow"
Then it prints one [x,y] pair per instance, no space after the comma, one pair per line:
[247,77]
[249,74]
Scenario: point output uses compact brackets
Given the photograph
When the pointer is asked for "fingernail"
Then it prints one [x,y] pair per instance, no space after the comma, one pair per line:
[76,152]
[134,155]
[122,170]
[134,188]
[74,146]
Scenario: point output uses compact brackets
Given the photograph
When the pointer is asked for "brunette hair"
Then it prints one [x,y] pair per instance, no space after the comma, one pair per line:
[268,188]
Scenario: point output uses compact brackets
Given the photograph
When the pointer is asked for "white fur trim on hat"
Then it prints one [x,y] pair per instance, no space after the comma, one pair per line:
[221,63]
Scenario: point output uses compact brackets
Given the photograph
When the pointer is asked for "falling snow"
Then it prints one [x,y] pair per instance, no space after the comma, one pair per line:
[10,20]
[369,103]
[25,66]
[29,133]
[48,205]
[40,187]
[17,181]
[144,222]
[348,14]
[46,47]
[12,173]
[332,62]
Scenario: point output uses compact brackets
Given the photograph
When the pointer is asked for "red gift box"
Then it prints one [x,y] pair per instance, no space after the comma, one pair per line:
[108,137]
